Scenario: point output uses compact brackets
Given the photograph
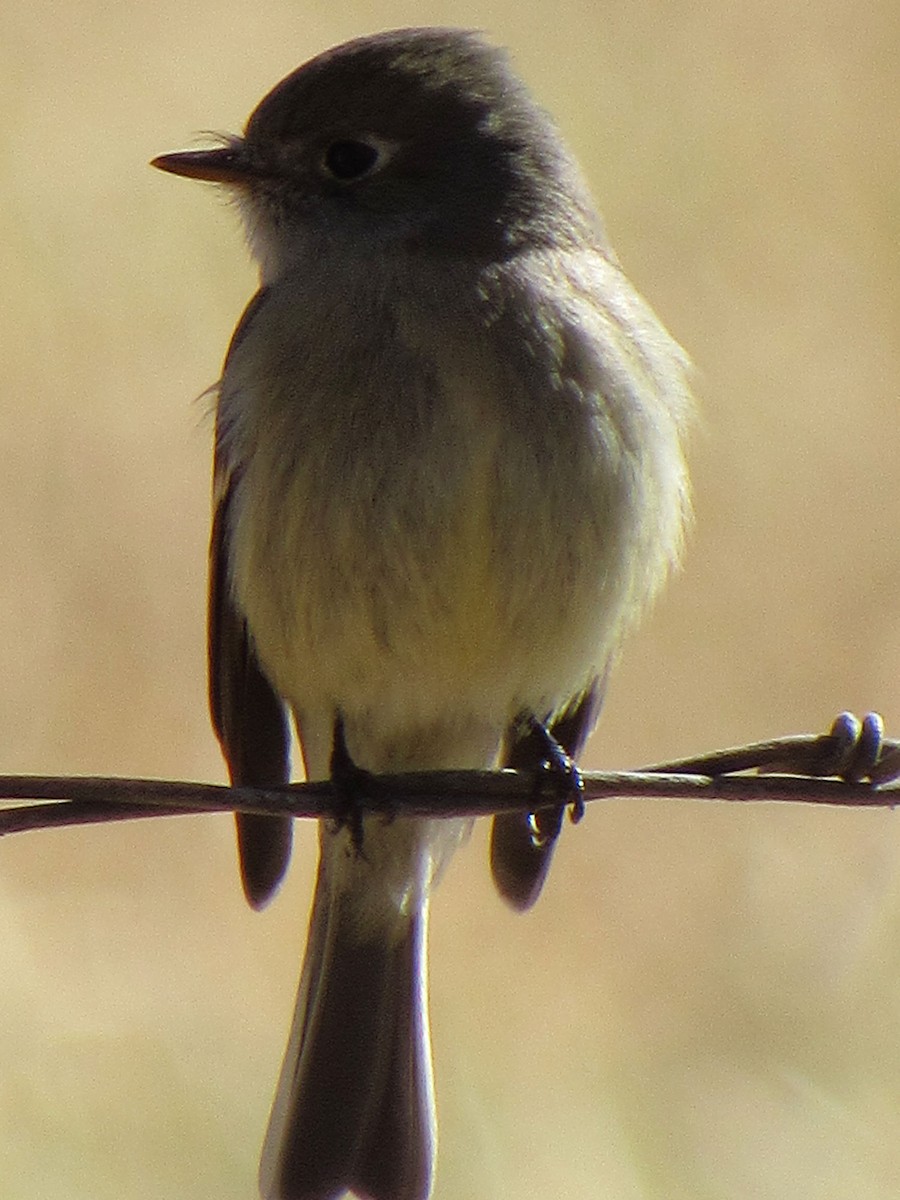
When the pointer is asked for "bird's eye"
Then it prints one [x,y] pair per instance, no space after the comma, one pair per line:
[350,160]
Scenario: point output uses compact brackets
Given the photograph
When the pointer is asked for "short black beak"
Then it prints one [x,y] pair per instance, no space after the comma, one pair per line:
[227,164]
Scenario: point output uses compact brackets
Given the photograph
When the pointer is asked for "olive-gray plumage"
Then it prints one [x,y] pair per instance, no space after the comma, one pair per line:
[448,479]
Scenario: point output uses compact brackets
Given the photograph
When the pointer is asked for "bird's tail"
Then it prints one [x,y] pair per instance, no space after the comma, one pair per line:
[354,1108]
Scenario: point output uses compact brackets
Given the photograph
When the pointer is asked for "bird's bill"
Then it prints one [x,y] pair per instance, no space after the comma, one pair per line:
[225,164]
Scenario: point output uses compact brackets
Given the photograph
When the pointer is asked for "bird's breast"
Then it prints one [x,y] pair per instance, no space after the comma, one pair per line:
[433,507]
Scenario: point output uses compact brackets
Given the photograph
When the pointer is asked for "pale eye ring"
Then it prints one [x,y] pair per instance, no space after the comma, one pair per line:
[349,159]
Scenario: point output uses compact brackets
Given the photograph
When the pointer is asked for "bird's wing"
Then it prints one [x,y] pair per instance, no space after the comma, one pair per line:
[248,715]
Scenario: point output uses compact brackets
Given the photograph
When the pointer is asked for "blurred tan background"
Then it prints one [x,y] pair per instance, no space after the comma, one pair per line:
[706,1004]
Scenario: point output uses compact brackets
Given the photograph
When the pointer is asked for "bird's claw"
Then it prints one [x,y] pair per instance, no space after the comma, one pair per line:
[352,787]
[557,778]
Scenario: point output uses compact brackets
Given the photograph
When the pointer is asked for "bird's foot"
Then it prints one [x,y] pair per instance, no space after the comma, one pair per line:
[352,787]
[557,778]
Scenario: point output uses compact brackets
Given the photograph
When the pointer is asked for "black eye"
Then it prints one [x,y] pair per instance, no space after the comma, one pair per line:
[350,160]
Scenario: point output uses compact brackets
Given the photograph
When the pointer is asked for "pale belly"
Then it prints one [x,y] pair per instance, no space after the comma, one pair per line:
[476,595]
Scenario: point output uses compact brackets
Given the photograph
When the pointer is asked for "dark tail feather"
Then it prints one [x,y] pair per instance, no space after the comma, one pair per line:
[354,1109]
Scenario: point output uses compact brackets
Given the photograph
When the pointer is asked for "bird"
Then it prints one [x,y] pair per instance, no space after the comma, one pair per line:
[449,475]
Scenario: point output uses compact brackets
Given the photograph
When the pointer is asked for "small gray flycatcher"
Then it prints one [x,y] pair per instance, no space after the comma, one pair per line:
[448,478]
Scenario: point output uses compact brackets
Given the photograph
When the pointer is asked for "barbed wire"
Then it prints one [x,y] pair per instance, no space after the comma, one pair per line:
[853,764]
